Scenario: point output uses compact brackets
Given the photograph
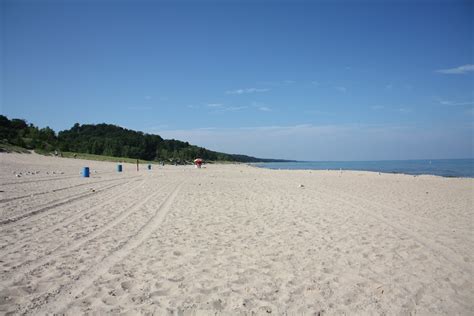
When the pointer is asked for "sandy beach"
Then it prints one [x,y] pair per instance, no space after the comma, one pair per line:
[231,239]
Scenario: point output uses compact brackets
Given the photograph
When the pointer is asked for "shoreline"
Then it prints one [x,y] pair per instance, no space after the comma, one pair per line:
[414,173]
[369,171]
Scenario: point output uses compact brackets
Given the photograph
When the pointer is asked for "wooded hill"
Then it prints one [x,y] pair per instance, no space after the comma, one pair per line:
[109,140]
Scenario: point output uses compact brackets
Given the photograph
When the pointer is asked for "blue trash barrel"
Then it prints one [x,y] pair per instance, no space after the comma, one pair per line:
[119,168]
[85,172]
[149,167]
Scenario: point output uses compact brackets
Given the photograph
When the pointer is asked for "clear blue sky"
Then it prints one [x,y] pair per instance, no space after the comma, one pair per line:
[320,80]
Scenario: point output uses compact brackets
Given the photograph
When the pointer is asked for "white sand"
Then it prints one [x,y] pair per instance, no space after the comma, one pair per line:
[231,238]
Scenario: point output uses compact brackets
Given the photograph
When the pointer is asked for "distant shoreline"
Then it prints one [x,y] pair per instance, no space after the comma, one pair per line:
[448,168]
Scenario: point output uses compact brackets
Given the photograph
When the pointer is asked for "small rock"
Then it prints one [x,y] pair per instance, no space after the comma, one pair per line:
[18,176]
[301,186]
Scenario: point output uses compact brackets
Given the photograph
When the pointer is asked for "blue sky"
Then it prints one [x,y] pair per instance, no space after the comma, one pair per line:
[320,80]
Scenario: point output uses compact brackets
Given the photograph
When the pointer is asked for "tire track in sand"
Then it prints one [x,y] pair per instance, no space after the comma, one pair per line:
[59,202]
[38,180]
[65,248]
[19,243]
[54,190]
[50,178]
[67,294]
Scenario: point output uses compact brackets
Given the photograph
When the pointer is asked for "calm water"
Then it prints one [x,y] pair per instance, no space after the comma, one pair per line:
[439,167]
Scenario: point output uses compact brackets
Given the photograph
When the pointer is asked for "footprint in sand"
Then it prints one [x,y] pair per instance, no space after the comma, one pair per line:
[128,285]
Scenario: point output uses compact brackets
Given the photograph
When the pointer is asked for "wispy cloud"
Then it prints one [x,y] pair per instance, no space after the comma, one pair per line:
[234,108]
[457,70]
[261,106]
[218,107]
[453,103]
[391,109]
[147,97]
[247,90]
[341,89]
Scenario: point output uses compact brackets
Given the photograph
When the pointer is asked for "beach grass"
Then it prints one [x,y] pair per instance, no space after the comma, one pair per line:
[9,148]
[5,147]
[67,154]
[104,158]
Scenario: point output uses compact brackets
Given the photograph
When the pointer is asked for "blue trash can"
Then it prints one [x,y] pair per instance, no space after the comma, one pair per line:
[149,167]
[119,168]
[85,172]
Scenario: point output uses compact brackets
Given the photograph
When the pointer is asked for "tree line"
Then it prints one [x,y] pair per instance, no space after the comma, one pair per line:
[108,140]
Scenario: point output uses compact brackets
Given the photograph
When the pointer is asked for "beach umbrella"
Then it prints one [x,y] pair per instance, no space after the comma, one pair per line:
[198,162]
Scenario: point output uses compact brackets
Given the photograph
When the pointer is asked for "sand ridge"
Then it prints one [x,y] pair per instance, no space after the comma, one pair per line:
[231,238]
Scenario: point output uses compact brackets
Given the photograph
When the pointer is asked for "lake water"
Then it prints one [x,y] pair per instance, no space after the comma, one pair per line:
[439,167]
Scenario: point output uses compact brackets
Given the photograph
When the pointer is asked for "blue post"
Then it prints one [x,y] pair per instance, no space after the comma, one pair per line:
[119,168]
[149,167]
[85,172]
